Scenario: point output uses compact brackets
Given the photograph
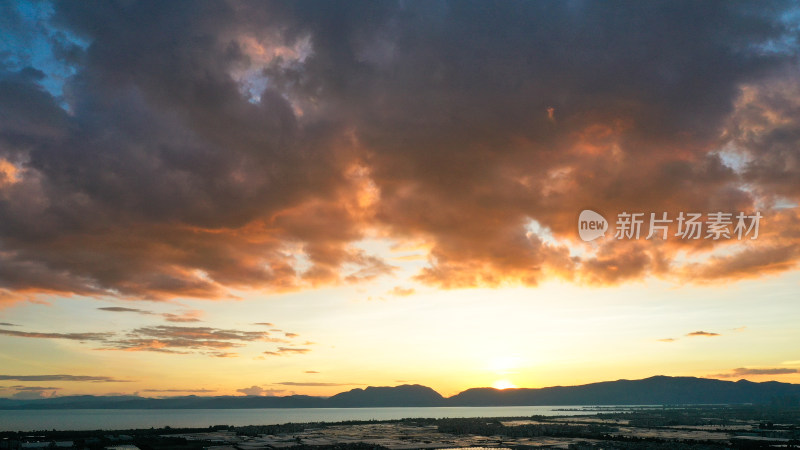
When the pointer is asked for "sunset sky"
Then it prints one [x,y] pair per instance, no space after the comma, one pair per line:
[268,198]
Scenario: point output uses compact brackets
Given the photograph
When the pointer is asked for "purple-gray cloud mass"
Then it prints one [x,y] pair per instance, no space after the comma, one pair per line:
[195,148]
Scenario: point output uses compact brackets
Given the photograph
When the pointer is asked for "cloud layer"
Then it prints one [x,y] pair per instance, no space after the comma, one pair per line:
[702,333]
[172,339]
[186,316]
[742,372]
[195,150]
[98,379]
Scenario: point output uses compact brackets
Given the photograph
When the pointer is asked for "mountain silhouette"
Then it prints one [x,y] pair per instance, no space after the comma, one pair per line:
[405,395]
[657,390]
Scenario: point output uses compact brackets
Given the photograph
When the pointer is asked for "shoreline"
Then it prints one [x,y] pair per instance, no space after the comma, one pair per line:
[718,427]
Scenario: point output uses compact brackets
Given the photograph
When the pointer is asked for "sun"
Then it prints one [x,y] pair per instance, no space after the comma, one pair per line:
[503,384]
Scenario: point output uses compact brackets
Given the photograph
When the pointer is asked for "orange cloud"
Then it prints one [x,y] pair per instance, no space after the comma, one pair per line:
[281,351]
[702,333]
[186,316]
[401,291]
[171,339]
[188,179]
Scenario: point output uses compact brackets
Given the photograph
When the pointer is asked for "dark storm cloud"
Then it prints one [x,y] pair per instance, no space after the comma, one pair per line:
[171,173]
[159,158]
[766,130]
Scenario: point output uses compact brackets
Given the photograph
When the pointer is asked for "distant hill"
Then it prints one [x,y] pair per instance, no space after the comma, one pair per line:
[406,395]
[183,402]
[658,390]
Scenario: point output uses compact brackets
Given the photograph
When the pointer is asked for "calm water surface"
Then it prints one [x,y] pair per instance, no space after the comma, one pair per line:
[119,419]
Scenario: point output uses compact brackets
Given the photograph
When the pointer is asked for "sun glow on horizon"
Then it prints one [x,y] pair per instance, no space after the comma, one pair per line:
[503,365]
[504,384]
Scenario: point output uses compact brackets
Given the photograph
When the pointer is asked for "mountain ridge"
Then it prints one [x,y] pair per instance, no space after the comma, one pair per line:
[656,390]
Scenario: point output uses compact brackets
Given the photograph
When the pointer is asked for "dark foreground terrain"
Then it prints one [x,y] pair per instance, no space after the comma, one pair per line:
[707,427]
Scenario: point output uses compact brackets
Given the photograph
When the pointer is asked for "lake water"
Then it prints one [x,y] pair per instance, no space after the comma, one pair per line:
[119,419]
